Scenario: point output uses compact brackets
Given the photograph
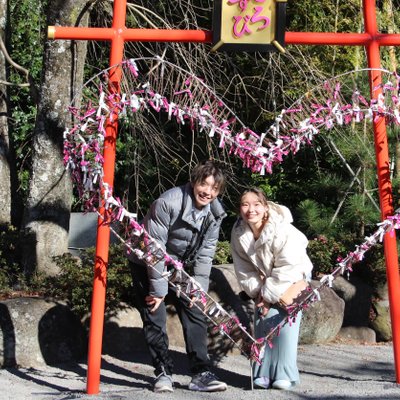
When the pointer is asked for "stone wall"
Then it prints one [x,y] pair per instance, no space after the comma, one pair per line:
[37,331]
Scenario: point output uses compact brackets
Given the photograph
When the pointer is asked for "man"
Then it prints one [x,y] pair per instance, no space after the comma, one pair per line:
[185,221]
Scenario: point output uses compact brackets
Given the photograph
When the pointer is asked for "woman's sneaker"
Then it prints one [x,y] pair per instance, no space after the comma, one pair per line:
[206,382]
[262,382]
[282,385]
[163,383]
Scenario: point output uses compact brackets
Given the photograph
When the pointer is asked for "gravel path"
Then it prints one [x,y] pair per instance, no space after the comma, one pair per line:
[330,371]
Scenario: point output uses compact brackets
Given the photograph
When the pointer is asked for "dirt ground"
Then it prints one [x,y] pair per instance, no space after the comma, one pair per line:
[340,370]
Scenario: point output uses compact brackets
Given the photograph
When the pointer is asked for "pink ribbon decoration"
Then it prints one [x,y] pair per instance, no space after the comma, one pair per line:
[292,128]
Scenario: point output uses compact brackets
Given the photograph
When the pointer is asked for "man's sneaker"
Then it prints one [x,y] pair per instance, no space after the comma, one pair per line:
[206,382]
[163,383]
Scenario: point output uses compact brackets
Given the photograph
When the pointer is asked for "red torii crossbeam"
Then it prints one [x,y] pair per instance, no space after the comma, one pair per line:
[118,34]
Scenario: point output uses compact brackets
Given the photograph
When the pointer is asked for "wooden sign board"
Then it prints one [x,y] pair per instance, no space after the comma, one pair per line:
[249,25]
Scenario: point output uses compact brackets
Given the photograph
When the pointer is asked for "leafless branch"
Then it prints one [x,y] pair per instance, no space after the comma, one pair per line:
[14,64]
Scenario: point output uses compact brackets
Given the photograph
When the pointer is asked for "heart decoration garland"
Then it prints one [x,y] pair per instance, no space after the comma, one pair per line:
[189,102]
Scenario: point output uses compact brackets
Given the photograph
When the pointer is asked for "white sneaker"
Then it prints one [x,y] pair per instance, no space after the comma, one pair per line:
[163,383]
[282,384]
[262,382]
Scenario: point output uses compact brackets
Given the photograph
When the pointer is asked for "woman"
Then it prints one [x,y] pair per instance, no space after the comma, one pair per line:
[269,255]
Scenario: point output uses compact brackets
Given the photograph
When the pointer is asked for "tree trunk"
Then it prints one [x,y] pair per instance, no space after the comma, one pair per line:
[5,181]
[47,212]
[391,28]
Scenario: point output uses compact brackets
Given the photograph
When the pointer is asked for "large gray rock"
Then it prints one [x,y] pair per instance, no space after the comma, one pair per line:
[364,308]
[42,241]
[361,334]
[224,289]
[322,321]
[123,329]
[381,321]
[123,333]
[357,296]
[36,332]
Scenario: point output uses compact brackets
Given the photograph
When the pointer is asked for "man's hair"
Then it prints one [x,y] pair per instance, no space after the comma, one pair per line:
[205,169]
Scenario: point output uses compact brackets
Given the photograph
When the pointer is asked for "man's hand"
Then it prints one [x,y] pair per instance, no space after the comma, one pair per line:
[194,299]
[153,302]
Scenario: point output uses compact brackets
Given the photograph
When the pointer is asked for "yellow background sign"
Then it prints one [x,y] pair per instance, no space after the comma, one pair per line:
[257,25]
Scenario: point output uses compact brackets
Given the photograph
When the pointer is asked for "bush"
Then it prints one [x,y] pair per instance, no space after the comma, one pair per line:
[11,275]
[324,253]
[75,281]
[223,253]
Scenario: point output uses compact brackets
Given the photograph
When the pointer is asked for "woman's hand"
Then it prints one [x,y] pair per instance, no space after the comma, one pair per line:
[262,306]
[292,292]
[153,302]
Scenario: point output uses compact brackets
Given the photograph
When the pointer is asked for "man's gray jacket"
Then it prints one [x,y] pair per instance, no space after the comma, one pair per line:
[170,222]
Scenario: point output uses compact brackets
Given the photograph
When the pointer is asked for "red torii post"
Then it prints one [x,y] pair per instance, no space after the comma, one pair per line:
[118,34]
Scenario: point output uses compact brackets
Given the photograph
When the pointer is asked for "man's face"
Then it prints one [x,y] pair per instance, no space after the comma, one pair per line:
[205,192]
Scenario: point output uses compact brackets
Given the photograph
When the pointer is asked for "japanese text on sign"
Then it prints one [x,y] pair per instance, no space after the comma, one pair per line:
[243,23]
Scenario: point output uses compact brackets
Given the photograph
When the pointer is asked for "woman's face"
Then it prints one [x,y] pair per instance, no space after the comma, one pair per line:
[252,209]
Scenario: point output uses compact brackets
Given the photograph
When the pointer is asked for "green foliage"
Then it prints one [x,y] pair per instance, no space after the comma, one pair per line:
[75,281]
[358,213]
[264,185]
[329,186]
[10,271]
[324,253]
[27,30]
[314,219]
[328,16]
[223,253]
